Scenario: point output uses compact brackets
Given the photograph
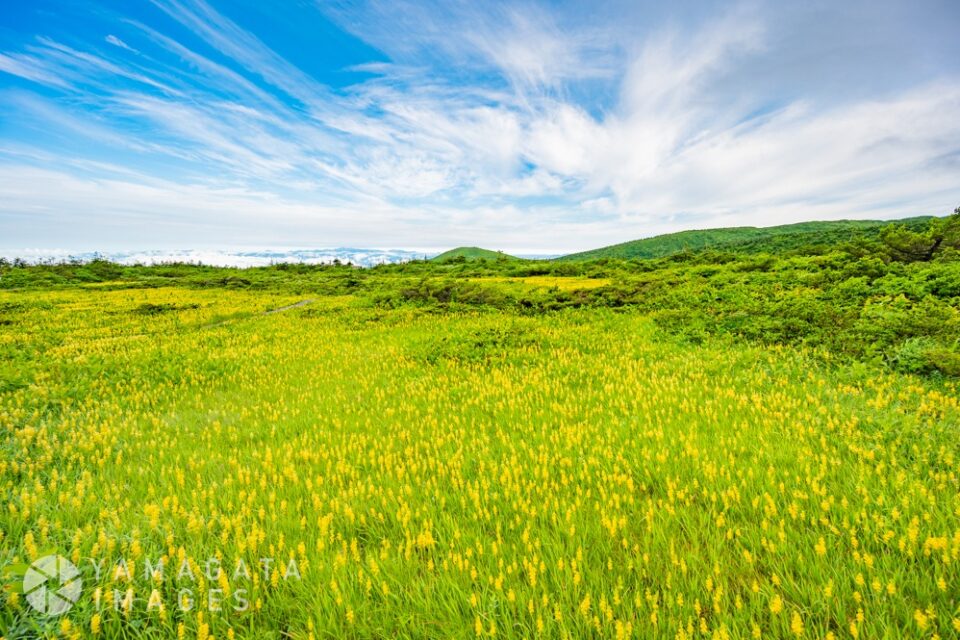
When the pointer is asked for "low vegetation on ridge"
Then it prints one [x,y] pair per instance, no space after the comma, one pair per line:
[802,236]
[463,254]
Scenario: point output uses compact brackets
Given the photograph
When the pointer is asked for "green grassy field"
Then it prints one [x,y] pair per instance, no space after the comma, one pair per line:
[472,473]
[712,446]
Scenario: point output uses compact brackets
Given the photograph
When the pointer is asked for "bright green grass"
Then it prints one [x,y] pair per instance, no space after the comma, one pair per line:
[460,474]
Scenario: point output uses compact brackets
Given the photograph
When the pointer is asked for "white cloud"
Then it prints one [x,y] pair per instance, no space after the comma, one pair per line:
[117,42]
[483,126]
[241,45]
[30,68]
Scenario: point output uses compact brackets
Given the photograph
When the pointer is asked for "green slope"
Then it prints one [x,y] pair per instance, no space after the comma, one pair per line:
[788,237]
[471,253]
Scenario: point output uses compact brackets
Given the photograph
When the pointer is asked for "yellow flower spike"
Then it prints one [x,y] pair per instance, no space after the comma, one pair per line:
[796,624]
[776,605]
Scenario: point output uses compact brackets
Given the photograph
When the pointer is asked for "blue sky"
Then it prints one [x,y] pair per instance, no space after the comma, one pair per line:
[529,127]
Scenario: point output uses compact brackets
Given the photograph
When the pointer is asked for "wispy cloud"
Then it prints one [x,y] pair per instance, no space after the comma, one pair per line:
[117,42]
[245,48]
[32,68]
[541,124]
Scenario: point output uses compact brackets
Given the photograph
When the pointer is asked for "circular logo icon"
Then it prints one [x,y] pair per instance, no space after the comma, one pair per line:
[52,585]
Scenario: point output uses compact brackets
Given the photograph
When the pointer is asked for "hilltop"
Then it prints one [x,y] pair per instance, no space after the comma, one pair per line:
[781,238]
[471,253]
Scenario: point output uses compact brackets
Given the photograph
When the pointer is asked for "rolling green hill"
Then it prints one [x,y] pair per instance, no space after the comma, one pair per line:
[788,237]
[471,253]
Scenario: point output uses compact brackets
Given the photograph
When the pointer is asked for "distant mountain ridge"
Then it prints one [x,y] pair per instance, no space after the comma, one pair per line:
[747,239]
